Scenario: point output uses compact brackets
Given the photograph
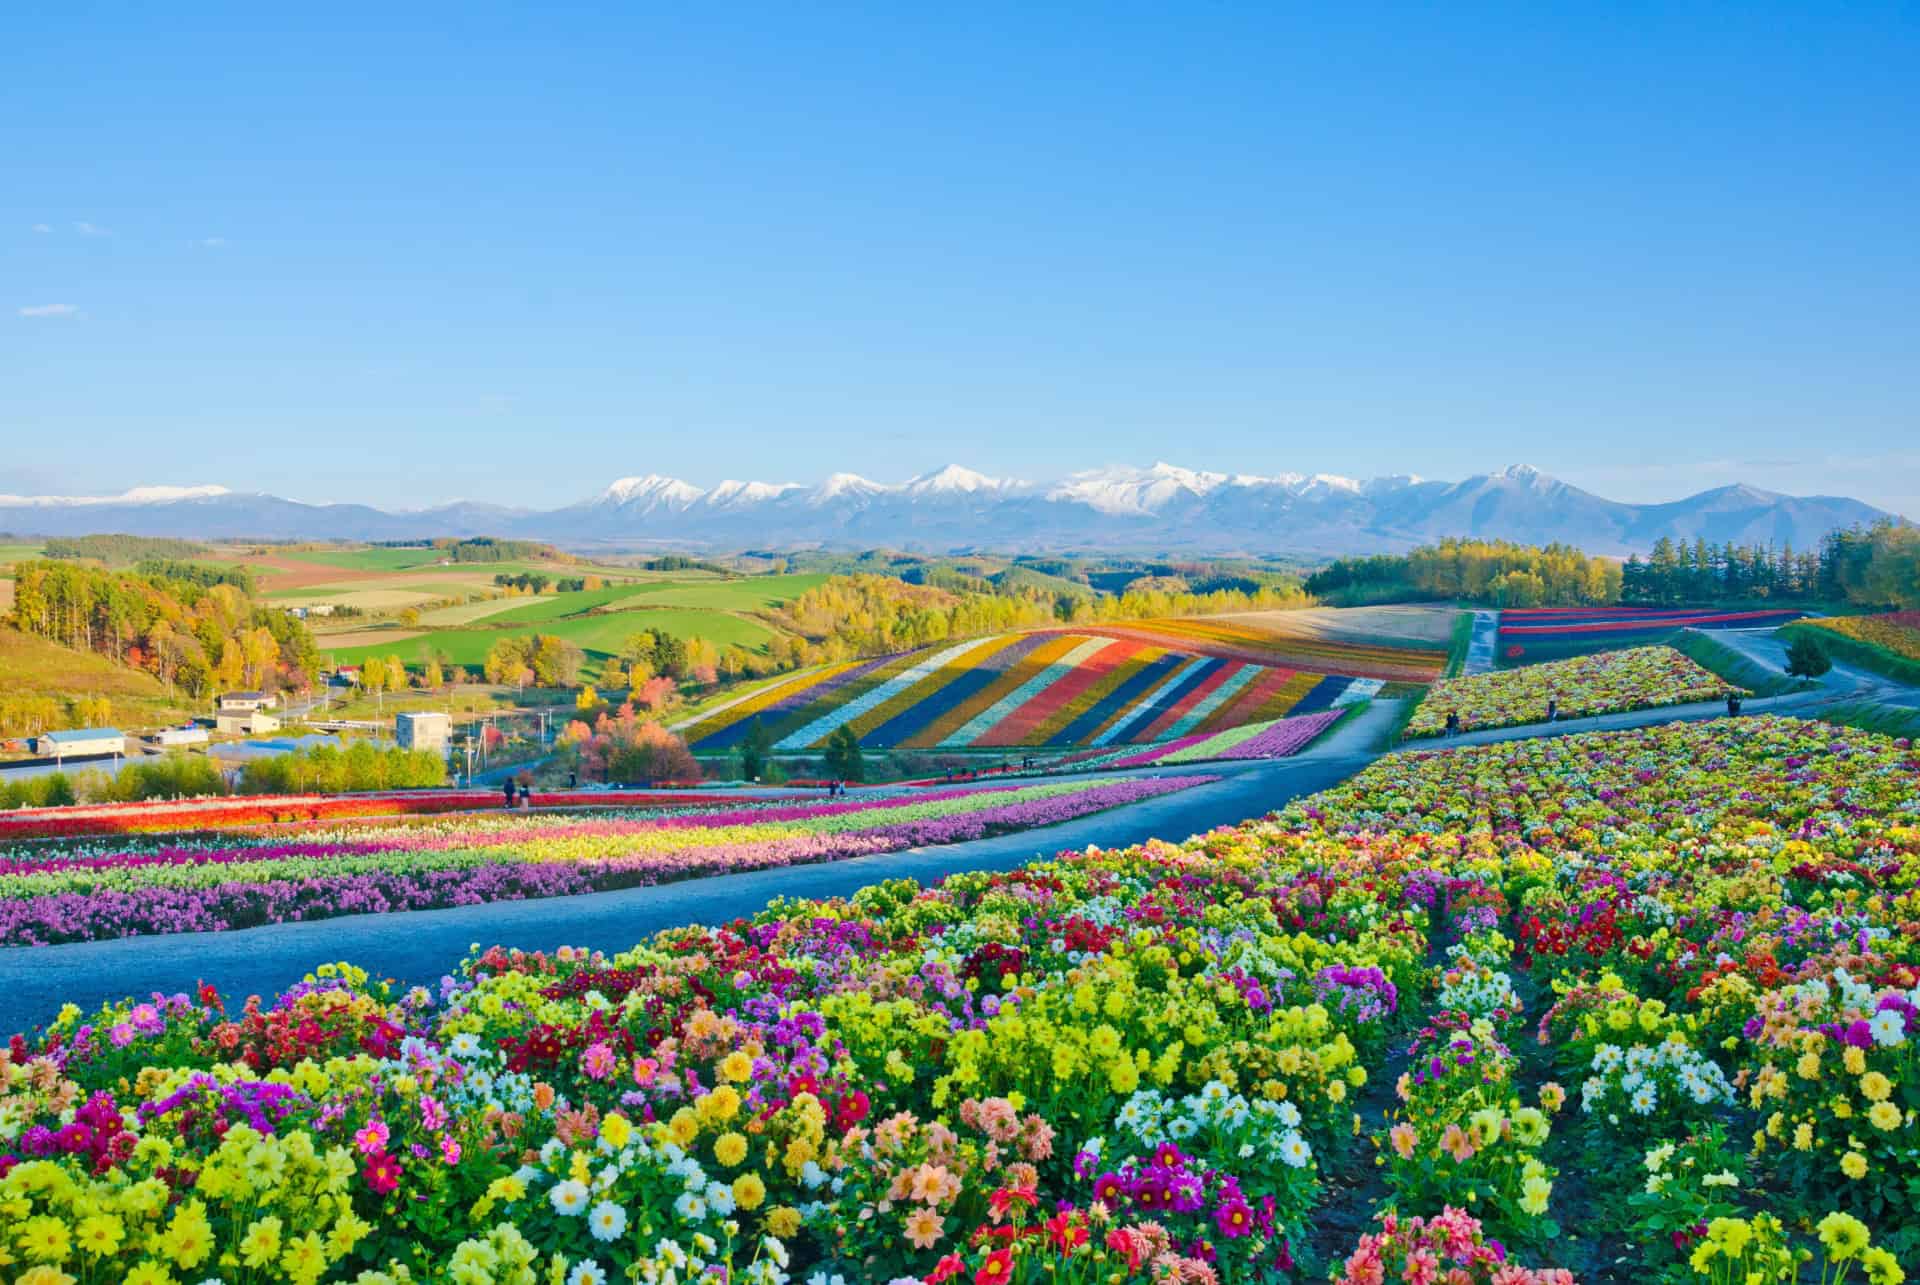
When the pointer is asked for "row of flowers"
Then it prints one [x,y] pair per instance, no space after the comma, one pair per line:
[1604,683]
[1896,631]
[1658,987]
[82,892]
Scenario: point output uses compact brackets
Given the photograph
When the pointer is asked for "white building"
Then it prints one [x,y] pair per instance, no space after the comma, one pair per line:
[80,742]
[247,702]
[172,737]
[426,730]
[252,724]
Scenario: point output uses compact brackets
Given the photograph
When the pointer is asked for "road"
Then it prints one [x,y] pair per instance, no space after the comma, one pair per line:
[421,946]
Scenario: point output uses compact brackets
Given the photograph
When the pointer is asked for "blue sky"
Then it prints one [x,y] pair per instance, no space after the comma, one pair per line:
[406,253]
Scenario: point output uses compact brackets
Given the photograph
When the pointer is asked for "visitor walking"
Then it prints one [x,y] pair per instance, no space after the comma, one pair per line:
[1453,723]
[509,789]
[1733,704]
[1553,710]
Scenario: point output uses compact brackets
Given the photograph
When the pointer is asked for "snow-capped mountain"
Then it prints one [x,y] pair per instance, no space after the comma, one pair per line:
[1163,507]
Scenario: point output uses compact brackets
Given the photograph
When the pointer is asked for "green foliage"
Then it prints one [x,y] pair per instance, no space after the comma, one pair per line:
[1459,641]
[755,747]
[51,791]
[1806,658]
[487,549]
[1856,651]
[843,758]
[1493,572]
[328,769]
[1723,661]
[121,550]
[1870,566]
[198,573]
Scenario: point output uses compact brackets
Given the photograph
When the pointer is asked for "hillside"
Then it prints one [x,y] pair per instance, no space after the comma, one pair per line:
[34,670]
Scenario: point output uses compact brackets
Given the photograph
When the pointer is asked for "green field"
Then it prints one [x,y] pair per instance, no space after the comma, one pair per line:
[369,559]
[600,636]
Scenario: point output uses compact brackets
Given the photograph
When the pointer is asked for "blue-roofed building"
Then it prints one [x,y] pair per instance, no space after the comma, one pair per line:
[80,742]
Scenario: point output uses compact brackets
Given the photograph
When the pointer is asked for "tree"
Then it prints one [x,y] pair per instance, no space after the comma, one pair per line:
[587,699]
[434,678]
[1807,659]
[409,617]
[373,677]
[755,747]
[396,673]
[843,755]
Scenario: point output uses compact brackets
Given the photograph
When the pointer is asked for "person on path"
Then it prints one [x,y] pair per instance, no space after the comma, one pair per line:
[1733,704]
[1453,723]
[1553,709]
[509,790]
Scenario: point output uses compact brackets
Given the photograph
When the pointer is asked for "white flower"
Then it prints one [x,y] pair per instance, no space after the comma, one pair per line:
[690,1207]
[1290,1115]
[587,1273]
[569,1197]
[720,1198]
[1887,1028]
[607,1220]
[1295,1151]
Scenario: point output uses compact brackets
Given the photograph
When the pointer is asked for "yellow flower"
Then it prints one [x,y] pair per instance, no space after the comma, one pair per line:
[1882,1267]
[737,1066]
[730,1149]
[1884,1115]
[684,1127]
[1803,1137]
[261,1245]
[783,1221]
[44,1239]
[1855,1060]
[100,1235]
[1808,1066]
[1875,1087]
[617,1130]
[43,1275]
[305,1258]
[749,1191]
[1536,1191]
[1843,1235]
[1854,1165]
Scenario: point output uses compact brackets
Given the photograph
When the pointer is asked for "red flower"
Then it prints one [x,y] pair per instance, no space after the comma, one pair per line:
[946,1269]
[997,1268]
[382,1173]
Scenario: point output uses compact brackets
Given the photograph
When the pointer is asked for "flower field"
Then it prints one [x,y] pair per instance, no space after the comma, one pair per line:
[1635,1005]
[153,816]
[124,886]
[1897,631]
[1090,689]
[1236,640]
[1604,683]
[1541,622]
[1277,738]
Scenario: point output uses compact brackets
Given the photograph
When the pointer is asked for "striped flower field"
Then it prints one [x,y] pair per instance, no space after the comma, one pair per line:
[128,884]
[1084,688]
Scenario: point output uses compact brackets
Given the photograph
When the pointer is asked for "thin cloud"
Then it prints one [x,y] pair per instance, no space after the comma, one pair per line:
[41,227]
[90,229]
[212,242]
[50,310]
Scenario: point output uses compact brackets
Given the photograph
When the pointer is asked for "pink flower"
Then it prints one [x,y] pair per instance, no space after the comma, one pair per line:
[372,1138]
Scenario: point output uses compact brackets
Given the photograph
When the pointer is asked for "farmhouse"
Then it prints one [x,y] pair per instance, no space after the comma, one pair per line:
[79,742]
[247,702]
[171,737]
[423,731]
[251,724]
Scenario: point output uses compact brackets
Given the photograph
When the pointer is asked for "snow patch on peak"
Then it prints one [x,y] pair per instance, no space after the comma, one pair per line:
[840,484]
[955,479]
[652,490]
[133,495]
[736,493]
[1135,491]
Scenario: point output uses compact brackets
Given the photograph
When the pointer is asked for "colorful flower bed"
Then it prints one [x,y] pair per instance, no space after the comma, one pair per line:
[1637,1005]
[1276,738]
[1537,622]
[1604,683]
[1896,631]
[154,816]
[89,891]
[1094,688]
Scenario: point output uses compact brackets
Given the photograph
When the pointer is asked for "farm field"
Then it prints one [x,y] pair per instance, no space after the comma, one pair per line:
[1391,644]
[1411,994]
[1531,634]
[1604,683]
[321,863]
[599,635]
[1897,631]
[1045,688]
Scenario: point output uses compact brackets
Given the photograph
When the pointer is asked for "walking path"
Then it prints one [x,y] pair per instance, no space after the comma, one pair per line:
[1486,634]
[421,946]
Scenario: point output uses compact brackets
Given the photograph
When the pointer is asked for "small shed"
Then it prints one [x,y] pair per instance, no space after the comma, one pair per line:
[170,737]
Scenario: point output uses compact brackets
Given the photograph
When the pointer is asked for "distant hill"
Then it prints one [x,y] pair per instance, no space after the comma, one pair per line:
[1163,508]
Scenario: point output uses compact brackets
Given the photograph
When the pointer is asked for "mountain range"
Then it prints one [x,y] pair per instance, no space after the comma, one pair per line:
[1164,508]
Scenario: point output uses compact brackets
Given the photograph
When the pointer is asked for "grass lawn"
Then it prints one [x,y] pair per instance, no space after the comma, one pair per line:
[31,666]
[369,559]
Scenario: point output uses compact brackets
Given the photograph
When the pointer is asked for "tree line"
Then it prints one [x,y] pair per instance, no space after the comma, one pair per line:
[196,637]
[1496,572]
[1876,566]
[120,550]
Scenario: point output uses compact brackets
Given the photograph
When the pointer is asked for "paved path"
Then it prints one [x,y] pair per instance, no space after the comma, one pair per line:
[1486,634]
[422,945]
